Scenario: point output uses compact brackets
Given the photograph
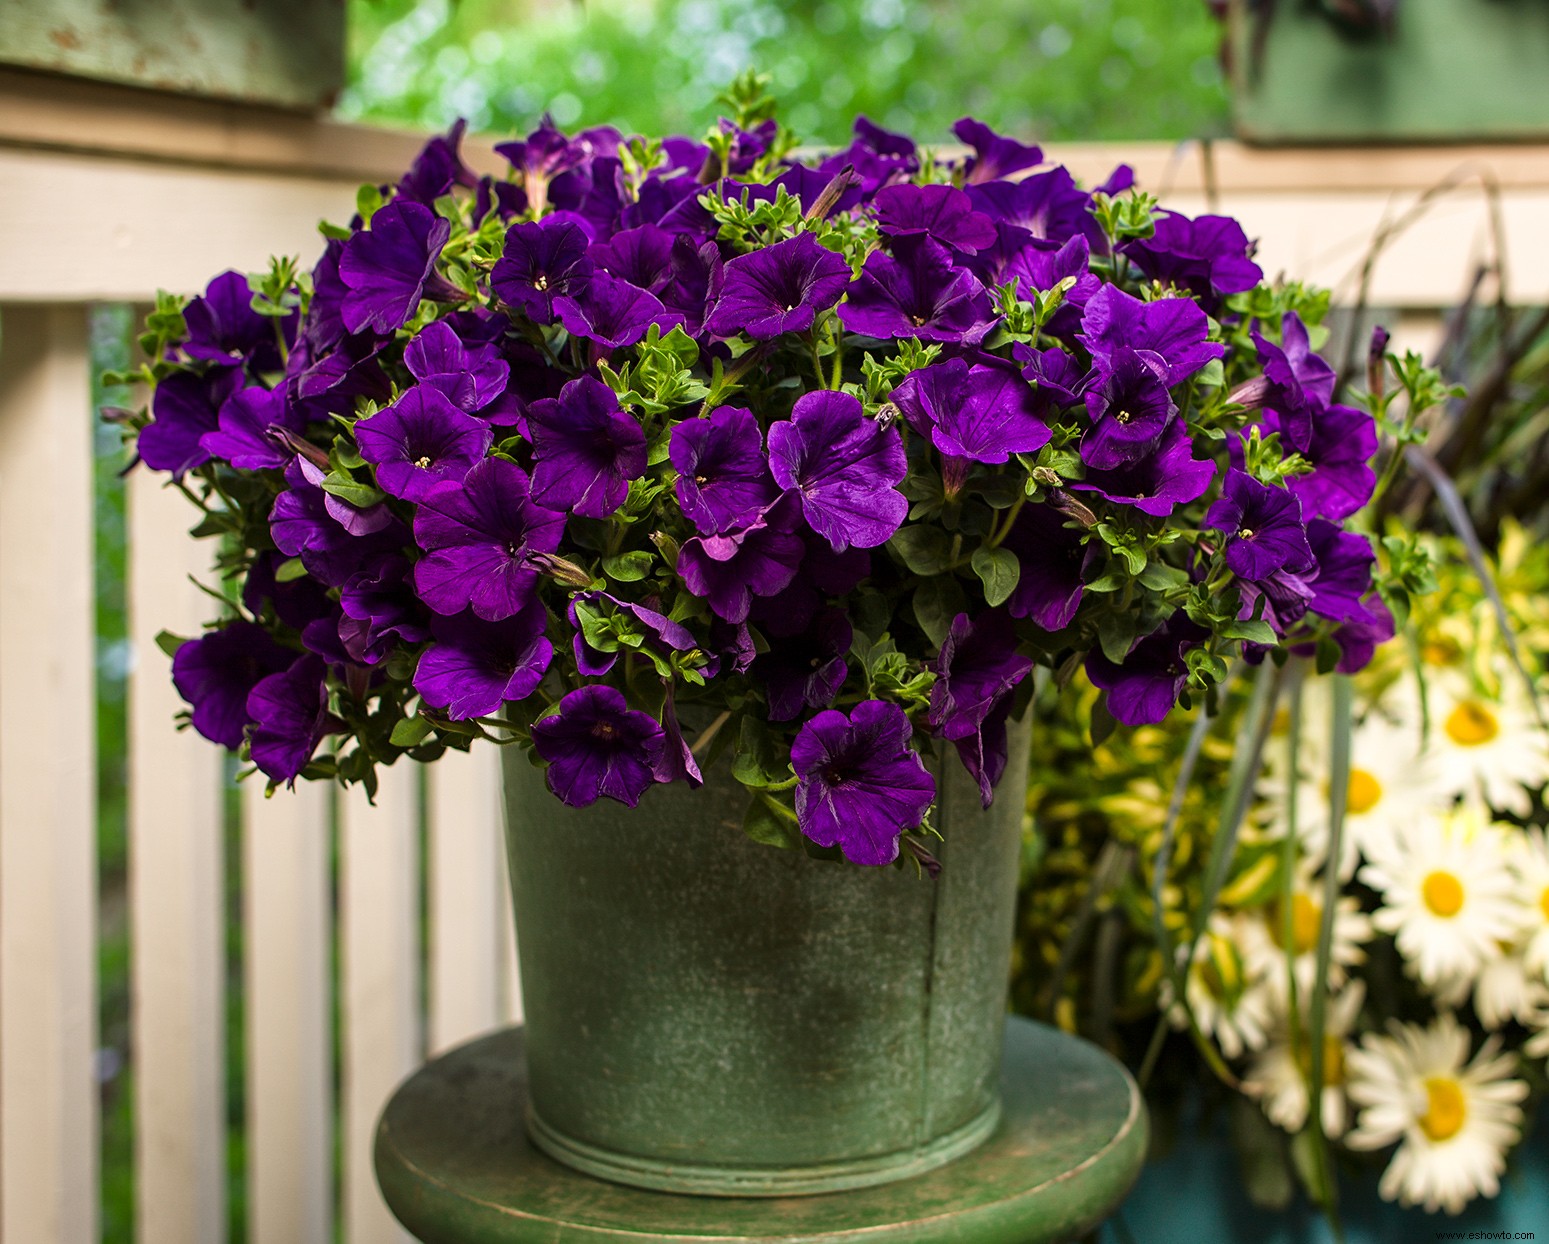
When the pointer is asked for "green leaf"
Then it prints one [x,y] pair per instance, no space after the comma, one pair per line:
[1115,633]
[1103,721]
[998,570]
[757,763]
[1266,1176]
[926,550]
[629,567]
[348,488]
[169,643]
[410,731]
[1212,373]
[771,823]
[937,601]
[290,571]
[1250,631]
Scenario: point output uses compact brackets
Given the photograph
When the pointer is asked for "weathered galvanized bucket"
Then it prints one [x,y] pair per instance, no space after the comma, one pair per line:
[708,1015]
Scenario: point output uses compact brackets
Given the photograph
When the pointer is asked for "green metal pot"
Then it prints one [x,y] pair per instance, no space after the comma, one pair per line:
[709,1015]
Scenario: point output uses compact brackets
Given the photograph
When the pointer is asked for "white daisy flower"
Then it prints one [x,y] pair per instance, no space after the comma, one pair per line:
[1505,990]
[1448,895]
[1454,1122]
[1537,1045]
[1280,1074]
[1482,746]
[1263,941]
[1229,1003]
[1388,788]
[1531,865]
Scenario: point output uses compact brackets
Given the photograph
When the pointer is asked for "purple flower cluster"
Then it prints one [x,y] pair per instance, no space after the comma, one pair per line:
[822,457]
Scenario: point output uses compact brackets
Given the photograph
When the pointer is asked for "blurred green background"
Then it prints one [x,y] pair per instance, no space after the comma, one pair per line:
[1052,69]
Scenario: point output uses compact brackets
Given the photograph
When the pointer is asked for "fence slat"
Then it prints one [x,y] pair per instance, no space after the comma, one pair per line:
[287,909]
[48,1004]
[467,922]
[175,894]
[379,928]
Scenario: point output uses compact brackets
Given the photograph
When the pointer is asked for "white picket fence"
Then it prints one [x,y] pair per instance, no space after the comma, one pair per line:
[108,195]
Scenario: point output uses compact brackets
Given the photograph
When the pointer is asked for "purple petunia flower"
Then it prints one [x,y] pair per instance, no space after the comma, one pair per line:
[1038,266]
[596,745]
[332,538]
[1209,256]
[661,633]
[585,450]
[642,256]
[437,168]
[807,669]
[216,671]
[241,436]
[1339,450]
[977,667]
[472,667]
[420,441]
[779,289]
[843,466]
[613,313]
[984,752]
[1263,528]
[1342,572]
[1056,375]
[480,536]
[859,783]
[1358,641]
[1130,409]
[919,293]
[1054,563]
[697,269]
[1167,476]
[224,328]
[1048,205]
[823,574]
[757,558]
[983,413]
[722,473]
[186,409]
[994,156]
[388,268]
[1298,382]
[289,712]
[1175,328]
[941,212]
[470,377]
[543,260]
[380,609]
[675,762]
[1144,689]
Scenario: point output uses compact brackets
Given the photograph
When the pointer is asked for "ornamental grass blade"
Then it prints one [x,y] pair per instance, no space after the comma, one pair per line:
[1338,796]
[1457,515]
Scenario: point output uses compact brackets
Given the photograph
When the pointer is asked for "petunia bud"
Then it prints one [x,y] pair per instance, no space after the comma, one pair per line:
[824,203]
[1376,362]
[560,568]
[297,445]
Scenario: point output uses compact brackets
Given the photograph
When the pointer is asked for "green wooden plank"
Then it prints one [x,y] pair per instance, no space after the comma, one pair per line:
[277,52]
[1452,70]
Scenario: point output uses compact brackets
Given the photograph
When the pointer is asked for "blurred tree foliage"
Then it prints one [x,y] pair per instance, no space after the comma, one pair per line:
[1051,69]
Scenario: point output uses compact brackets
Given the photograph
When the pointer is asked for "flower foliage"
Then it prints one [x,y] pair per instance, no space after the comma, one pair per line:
[821,455]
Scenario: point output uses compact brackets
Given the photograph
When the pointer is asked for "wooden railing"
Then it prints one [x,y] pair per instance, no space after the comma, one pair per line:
[108,194]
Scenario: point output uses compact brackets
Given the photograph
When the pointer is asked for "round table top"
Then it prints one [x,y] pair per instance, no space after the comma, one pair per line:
[456,1166]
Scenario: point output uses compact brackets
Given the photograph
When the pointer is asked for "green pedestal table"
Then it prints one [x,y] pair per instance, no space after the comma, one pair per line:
[456,1166]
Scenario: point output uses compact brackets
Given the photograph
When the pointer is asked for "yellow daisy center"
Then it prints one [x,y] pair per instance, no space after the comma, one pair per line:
[1333,1061]
[1543,902]
[1446,1109]
[1471,724]
[1365,792]
[1306,916]
[1441,650]
[1220,970]
[1442,893]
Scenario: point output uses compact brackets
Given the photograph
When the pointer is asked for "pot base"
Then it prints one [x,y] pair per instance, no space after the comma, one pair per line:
[637,1172]
[457,1166]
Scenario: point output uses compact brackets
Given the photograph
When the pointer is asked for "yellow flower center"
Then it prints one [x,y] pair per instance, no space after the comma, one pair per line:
[1446,1109]
[1441,650]
[1471,724]
[1333,1061]
[1543,902]
[1306,916]
[1220,970]
[1442,893]
[1365,792]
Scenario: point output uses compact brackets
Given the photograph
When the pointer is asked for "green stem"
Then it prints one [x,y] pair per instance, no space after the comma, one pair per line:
[1008,523]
